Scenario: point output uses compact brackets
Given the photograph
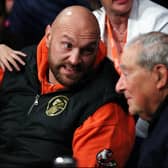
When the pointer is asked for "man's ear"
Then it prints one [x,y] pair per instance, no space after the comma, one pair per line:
[48,35]
[162,75]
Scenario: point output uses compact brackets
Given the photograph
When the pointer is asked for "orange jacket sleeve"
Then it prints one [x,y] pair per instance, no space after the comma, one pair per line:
[109,127]
[1,75]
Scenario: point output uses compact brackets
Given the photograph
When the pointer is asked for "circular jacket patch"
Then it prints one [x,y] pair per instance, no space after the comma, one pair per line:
[57,105]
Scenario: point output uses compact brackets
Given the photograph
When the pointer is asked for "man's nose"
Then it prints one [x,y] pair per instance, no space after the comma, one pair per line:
[75,56]
[120,85]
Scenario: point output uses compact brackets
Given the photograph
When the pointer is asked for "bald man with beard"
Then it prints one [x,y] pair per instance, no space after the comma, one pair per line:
[63,101]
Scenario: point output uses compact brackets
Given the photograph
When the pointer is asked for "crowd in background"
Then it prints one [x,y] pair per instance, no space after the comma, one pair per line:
[23,22]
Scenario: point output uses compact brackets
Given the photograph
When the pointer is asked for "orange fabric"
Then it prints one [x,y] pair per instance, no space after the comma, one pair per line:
[101,54]
[1,75]
[42,64]
[114,53]
[108,127]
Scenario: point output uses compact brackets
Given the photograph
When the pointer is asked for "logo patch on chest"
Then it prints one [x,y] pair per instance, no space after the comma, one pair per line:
[57,105]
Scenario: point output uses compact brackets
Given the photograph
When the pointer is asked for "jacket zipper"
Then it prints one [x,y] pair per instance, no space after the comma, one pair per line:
[35,103]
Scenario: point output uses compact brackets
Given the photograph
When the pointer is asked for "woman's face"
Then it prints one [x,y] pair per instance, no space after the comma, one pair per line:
[119,7]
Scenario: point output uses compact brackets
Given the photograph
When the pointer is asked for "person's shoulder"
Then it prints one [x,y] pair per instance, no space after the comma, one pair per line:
[149,16]
[153,7]
[30,49]
[31,52]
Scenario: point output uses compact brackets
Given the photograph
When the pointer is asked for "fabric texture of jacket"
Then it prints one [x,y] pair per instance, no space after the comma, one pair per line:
[154,150]
[40,121]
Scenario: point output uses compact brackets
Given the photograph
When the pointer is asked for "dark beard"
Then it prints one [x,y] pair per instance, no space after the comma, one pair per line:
[87,77]
[79,81]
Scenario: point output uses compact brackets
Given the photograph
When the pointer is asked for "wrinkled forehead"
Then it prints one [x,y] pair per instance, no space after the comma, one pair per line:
[132,51]
[130,55]
[72,33]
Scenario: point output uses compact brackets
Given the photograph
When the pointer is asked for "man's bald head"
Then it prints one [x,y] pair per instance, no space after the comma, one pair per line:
[77,16]
[73,41]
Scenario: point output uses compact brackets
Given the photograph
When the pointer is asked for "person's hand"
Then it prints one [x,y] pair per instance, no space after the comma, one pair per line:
[10,59]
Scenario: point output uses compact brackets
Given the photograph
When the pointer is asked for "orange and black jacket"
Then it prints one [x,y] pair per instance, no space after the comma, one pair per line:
[40,121]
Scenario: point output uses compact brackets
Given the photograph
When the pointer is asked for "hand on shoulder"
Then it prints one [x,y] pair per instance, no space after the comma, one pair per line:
[10,59]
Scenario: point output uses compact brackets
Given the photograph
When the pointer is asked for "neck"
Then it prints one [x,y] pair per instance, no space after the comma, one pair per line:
[118,26]
[119,22]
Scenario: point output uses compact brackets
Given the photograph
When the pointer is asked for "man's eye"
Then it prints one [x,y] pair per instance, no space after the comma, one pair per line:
[88,51]
[67,45]
[125,74]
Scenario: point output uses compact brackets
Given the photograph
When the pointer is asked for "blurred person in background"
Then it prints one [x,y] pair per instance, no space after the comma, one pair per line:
[29,18]
[9,5]
[5,10]
[2,15]
[120,21]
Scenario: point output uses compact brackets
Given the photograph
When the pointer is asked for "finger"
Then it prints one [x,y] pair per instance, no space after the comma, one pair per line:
[18,59]
[2,66]
[14,64]
[5,64]
[10,63]
[19,53]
